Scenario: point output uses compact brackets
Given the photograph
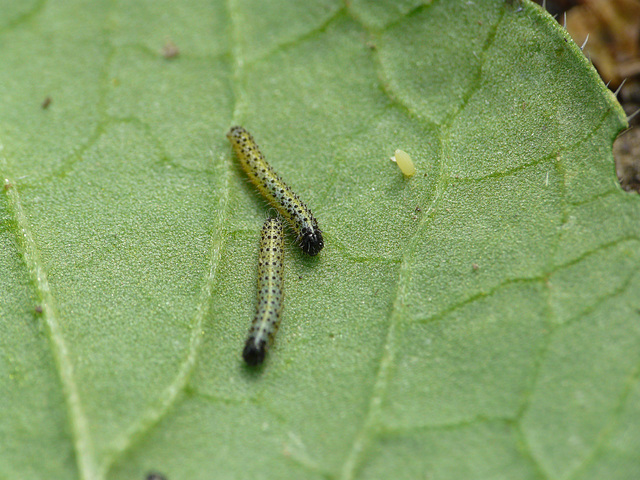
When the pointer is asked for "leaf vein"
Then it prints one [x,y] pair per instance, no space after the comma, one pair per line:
[79,424]
[170,395]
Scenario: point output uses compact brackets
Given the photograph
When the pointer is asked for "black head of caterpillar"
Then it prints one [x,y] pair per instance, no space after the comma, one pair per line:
[254,354]
[311,241]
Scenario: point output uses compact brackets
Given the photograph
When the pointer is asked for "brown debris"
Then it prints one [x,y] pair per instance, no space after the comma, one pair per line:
[626,150]
[170,50]
[613,27]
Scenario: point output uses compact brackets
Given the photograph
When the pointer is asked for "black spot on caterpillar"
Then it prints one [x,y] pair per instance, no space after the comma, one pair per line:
[270,293]
[278,193]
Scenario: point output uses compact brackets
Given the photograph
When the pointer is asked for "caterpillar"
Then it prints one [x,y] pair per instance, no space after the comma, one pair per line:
[278,193]
[270,293]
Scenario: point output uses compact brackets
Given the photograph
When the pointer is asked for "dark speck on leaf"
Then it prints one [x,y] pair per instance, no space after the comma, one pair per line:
[155,476]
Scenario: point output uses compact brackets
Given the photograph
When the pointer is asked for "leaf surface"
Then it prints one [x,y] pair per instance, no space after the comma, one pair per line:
[478,320]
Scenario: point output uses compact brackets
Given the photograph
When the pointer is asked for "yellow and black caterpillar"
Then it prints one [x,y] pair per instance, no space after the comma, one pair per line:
[270,293]
[262,175]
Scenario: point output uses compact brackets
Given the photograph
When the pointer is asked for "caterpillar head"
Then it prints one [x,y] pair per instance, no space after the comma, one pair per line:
[253,352]
[311,242]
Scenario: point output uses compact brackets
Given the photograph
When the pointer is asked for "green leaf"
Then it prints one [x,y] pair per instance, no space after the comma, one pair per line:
[479,320]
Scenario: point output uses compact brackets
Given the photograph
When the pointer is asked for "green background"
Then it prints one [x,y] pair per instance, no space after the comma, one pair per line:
[480,320]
